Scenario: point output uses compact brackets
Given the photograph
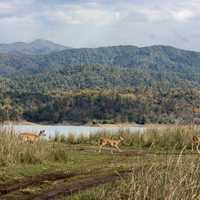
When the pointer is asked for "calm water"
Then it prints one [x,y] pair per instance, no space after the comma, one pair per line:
[51,130]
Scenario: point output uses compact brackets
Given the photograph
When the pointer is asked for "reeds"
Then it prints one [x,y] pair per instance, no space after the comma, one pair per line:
[169,177]
[177,137]
[14,151]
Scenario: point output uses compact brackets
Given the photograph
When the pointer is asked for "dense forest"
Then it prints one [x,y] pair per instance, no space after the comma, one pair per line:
[157,84]
[104,106]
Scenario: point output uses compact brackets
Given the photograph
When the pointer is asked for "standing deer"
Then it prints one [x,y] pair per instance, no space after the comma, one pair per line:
[196,141]
[110,142]
[32,137]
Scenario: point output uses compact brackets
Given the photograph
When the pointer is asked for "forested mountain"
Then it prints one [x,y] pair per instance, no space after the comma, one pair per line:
[122,83]
[156,58]
[34,48]
[120,67]
[99,77]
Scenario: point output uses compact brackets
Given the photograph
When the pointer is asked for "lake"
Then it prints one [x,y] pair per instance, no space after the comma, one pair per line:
[52,130]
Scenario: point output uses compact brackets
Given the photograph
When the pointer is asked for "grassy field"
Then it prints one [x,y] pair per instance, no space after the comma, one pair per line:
[159,163]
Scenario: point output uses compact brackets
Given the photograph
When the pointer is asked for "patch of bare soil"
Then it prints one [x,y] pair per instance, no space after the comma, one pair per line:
[33,180]
[80,185]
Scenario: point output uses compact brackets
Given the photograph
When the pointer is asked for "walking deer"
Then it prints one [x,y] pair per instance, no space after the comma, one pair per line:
[110,142]
[32,137]
[196,141]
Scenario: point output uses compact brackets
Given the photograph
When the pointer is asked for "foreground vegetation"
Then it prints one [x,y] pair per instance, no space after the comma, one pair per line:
[170,177]
[15,151]
[163,138]
[161,162]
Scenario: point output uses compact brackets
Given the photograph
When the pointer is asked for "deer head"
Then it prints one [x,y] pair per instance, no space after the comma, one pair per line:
[42,133]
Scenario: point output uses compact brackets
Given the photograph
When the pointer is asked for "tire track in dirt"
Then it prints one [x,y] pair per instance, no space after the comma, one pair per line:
[130,152]
[39,179]
[80,185]
[34,180]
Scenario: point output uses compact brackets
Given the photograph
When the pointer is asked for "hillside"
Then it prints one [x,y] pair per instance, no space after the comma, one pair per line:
[98,77]
[36,47]
[120,67]
[157,84]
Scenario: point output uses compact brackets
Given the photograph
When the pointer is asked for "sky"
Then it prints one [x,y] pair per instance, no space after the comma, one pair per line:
[94,23]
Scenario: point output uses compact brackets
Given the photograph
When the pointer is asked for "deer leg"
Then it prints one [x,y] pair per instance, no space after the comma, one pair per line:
[118,148]
[111,150]
[192,147]
[198,148]
[100,147]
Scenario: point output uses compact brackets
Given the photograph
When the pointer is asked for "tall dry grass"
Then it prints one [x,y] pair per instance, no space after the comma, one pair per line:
[13,150]
[163,138]
[169,178]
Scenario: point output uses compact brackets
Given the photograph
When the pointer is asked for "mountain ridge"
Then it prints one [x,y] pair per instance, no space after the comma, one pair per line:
[38,46]
[156,84]
[141,65]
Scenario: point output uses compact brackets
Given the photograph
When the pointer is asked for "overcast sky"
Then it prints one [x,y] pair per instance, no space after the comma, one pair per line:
[92,23]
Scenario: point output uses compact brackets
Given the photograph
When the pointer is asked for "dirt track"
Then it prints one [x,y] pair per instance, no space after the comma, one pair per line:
[71,186]
[33,180]
[63,189]
[126,152]
[79,185]
[39,179]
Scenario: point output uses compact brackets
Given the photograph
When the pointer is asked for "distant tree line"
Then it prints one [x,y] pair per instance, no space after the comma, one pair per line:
[137,105]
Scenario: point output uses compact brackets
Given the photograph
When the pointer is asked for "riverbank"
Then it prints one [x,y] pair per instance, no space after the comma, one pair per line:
[20,122]
[98,125]
[70,123]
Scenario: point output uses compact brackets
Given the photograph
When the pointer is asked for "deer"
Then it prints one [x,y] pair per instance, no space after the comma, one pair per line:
[32,137]
[196,141]
[113,143]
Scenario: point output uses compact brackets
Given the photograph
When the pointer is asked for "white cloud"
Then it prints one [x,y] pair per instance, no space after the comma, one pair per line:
[157,12]
[75,14]
[183,15]
[19,28]
[101,22]
[6,7]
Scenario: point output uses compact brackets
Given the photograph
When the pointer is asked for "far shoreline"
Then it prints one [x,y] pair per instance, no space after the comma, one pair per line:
[118,125]
[100,125]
